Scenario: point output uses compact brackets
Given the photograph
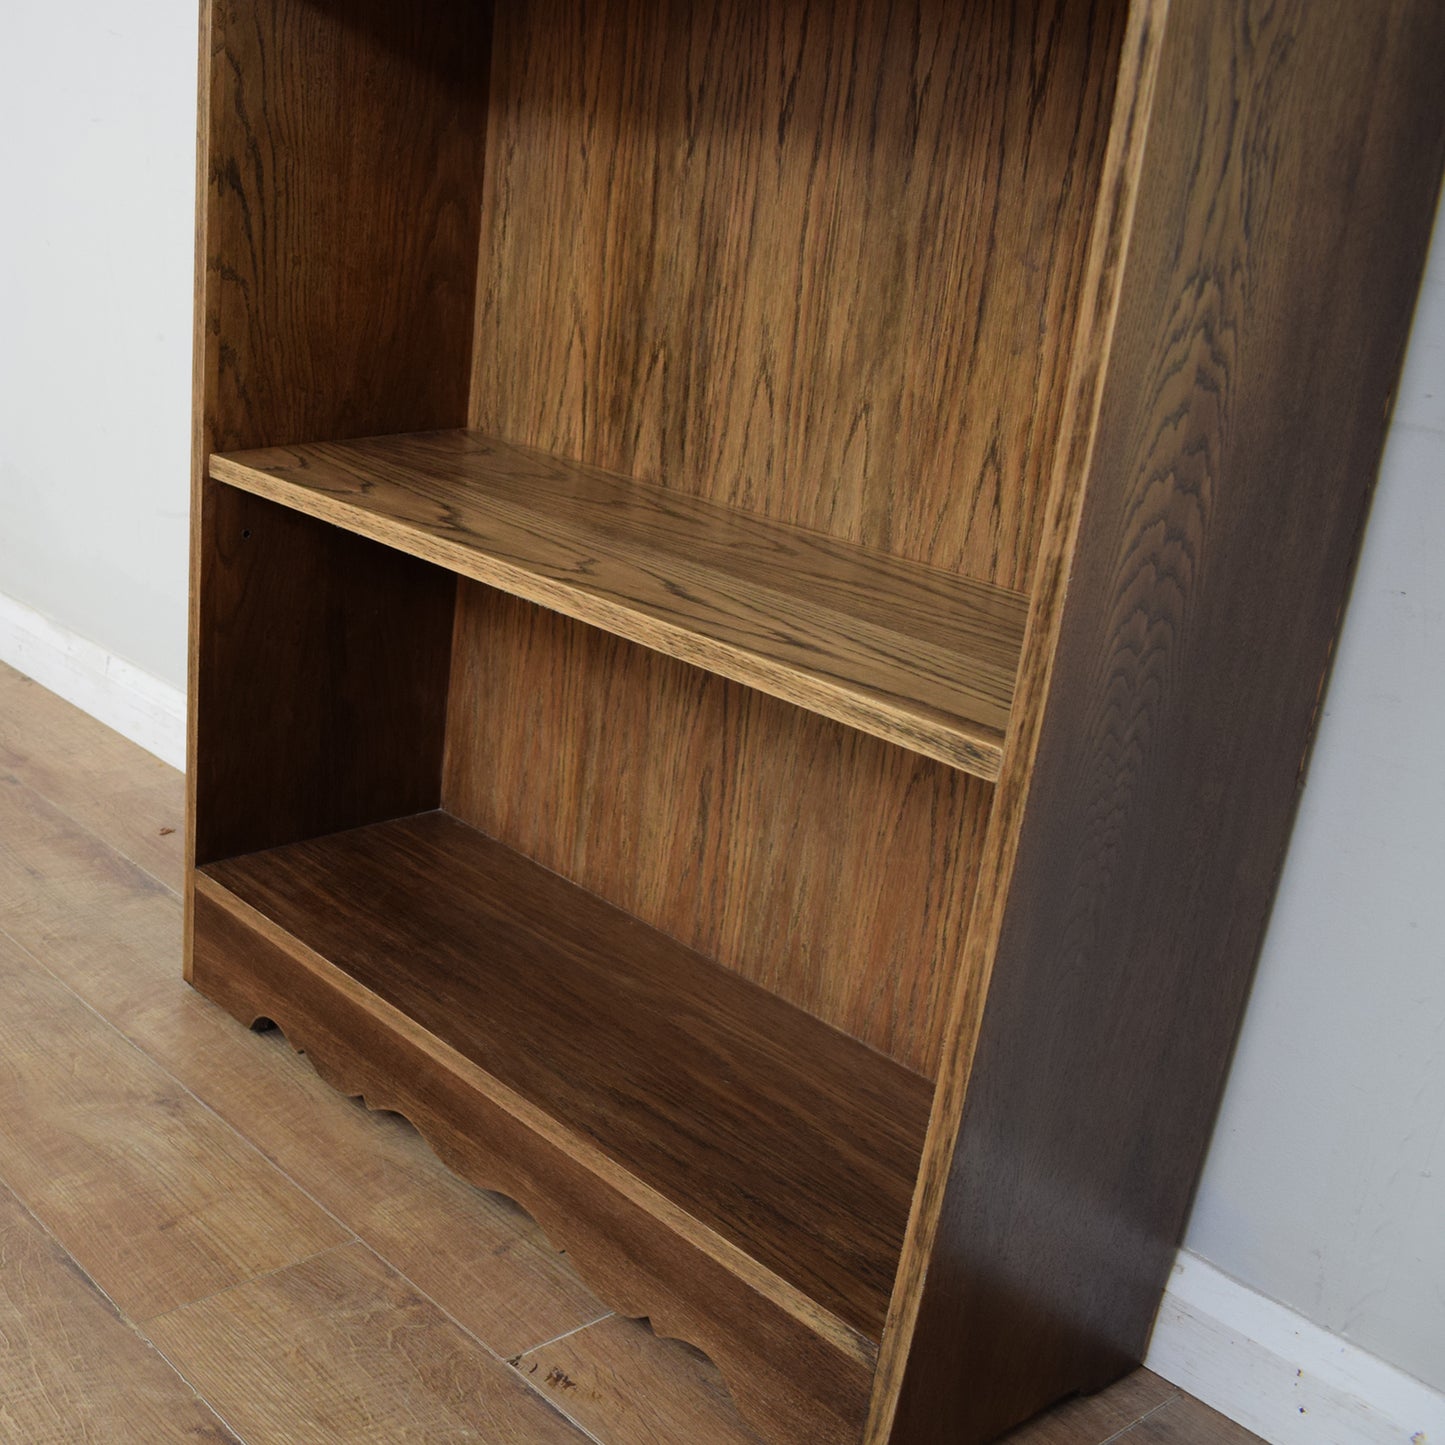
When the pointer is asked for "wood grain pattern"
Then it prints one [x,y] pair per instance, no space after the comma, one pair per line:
[156,1199]
[334,297]
[342,1348]
[341,236]
[794,1375]
[775,1132]
[1265,298]
[72,1369]
[625,1386]
[106,783]
[1113,219]
[920,657]
[361,634]
[113,938]
[829,867]
[795,257]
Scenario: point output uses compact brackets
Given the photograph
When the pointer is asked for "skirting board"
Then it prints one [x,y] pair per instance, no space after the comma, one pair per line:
[140,707]
[1246,1356]
[1277,1374]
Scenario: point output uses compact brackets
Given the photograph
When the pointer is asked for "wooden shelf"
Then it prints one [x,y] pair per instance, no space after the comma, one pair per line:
[786,1138]
[920,657]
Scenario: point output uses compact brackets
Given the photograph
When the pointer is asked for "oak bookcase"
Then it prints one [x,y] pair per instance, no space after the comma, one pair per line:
[762,575]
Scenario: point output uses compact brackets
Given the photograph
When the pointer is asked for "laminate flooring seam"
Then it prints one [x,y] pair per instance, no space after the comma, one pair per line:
[557,1339]
[355,1239]
[411,1284]
[216,1294]
[19,691]
[230,1128]
[120,1314]
[280,1170]
[507,1365]
[1147,1415]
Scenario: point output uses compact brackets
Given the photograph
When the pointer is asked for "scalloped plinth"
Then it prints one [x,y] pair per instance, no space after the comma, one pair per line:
[795,1370]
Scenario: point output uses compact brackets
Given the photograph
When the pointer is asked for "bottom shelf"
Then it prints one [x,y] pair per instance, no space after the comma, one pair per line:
[754,1131]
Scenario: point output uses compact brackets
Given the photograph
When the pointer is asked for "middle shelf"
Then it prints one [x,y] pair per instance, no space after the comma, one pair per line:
[920,657]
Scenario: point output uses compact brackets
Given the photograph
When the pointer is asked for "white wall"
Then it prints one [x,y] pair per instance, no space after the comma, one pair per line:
[1325,1187]
[97,151]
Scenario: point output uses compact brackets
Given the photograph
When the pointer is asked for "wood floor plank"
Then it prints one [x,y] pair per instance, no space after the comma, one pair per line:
[628,1387]
[1187,1421]
[114,937]
[1092,1419]
[341,1348]
[71,1369]
[159,1201]
[122,793]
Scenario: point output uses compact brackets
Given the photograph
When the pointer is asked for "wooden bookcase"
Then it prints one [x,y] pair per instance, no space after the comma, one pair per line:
[762,575]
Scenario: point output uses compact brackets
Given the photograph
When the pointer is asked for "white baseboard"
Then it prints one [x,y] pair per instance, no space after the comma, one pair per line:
[140,707]
[1277,1374]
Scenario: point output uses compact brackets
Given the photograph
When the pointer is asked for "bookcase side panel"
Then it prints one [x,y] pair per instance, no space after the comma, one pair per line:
[1293,162]
[340,187]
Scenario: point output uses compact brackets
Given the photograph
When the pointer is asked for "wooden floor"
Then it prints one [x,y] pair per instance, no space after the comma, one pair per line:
[199,1240]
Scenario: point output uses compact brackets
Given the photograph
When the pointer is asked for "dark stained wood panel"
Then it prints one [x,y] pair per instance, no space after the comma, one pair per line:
[340,179]
[829,867]
[778,1133]
[341,236]
[817,261]
[920,657]
[1264,304]
[958,284]
[362,636]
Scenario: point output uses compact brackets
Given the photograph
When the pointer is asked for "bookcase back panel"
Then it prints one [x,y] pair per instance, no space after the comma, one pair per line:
[832,868]
[818,260]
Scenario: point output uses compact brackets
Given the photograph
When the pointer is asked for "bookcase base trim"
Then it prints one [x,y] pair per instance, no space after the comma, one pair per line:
[789,1381]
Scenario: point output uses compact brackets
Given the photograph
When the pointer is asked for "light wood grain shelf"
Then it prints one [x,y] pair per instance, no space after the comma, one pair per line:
[912,654]
[786,1138]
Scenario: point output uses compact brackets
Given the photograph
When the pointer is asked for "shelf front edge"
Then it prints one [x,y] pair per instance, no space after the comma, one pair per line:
[795,649]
